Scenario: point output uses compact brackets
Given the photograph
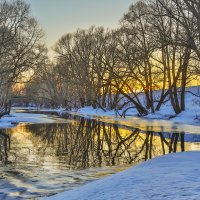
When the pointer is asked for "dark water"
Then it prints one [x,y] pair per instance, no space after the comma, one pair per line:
[39,160]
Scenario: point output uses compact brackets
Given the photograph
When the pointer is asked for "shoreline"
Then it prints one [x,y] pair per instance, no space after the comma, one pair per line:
[172,176]
[144,124]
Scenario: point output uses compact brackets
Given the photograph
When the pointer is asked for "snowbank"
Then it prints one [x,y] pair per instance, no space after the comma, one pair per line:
[173,176]
[191,115]
[144,124]
[165,115]
[14,118]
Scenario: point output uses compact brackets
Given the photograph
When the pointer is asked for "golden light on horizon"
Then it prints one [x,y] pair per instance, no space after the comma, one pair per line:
[18,88]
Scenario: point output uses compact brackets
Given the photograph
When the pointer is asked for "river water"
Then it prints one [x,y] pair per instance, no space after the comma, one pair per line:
[38,160]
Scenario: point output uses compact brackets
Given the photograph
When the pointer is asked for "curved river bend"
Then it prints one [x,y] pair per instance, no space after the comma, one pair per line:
[42,159]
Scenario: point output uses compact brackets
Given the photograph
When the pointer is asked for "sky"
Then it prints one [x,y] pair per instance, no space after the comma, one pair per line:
[58,17]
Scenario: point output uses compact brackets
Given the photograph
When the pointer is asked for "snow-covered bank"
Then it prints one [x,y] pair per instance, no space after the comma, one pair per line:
[187,121]
[14,118]
[145,124]
[191,115]
[173,176]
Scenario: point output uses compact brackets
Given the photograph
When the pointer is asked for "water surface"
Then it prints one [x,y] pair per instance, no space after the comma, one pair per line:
[39,160]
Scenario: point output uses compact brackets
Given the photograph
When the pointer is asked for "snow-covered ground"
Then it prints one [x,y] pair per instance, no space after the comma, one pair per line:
[166,115]
[14,118]
[191,115]
[173,176]
[145,124]
[187,121]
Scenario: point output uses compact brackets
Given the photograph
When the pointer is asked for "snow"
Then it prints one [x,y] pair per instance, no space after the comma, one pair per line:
[144,124]
[173,176]
[14,118]
[29,109]
[163,120]
[191,115]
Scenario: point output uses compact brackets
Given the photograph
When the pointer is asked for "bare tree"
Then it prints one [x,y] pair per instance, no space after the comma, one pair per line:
[19,44]
[187,14]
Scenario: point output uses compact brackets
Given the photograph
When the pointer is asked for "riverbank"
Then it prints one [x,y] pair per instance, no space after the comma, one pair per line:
[190,116]
[166,115]
[173,176]
[144,181]
[144,124]
[9,121]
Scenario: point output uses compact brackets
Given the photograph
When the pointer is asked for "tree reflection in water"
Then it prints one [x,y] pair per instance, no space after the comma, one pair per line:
[4,146]
[89,143]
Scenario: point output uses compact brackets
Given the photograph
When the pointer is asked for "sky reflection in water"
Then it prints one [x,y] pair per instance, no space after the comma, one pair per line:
[43,159]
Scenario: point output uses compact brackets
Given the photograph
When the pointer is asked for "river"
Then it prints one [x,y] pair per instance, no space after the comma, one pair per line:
[42,159]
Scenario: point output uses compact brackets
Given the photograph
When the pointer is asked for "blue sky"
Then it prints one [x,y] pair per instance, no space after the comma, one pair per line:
[58,17]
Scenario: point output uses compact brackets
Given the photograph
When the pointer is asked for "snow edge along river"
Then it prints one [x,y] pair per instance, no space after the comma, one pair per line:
[172,176]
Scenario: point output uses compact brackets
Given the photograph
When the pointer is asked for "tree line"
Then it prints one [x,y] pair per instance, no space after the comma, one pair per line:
[149,59]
